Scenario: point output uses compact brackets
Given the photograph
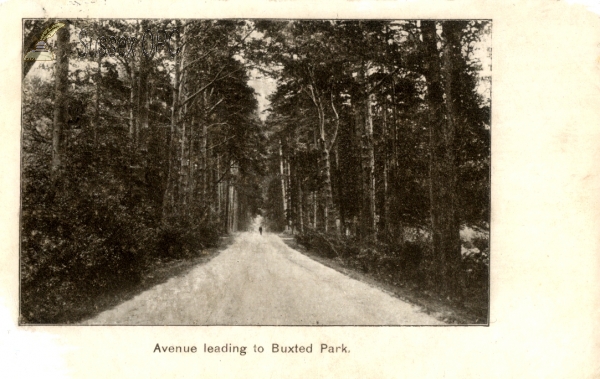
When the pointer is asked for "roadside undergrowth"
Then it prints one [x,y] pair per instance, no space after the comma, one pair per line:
[67,300]
[404,270]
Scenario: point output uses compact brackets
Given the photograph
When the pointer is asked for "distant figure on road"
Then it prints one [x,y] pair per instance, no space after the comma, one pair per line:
[260,230]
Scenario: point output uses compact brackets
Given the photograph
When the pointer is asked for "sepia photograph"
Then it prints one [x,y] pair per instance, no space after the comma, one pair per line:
[255,172]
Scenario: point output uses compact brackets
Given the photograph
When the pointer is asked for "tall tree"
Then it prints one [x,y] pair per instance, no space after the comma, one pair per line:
[61,86]
[444,219]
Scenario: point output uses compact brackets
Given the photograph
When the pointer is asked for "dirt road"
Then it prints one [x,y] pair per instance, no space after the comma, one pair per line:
[259,280]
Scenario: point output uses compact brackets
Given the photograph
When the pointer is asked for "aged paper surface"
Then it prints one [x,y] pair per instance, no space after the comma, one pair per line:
[545,265]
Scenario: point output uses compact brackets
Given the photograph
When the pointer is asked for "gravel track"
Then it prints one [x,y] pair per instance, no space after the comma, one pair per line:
[259,280]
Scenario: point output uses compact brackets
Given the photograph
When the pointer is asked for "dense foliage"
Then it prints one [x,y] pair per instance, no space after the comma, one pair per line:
[142,158]
[380,129]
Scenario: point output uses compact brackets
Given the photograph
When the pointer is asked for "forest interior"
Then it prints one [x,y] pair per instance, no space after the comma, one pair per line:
[147,141]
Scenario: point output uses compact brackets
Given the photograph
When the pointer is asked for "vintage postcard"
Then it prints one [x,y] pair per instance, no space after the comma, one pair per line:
[217,191]
[255,172]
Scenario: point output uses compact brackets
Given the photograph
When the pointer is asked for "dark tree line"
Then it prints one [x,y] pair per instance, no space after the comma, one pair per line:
[128,158]
[379,132]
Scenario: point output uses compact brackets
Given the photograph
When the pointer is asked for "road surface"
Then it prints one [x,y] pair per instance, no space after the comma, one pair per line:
[259,280]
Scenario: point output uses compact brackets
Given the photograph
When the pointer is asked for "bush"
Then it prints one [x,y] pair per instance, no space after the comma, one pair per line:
[398,263]
[185,240]
[78,239]
[410,262]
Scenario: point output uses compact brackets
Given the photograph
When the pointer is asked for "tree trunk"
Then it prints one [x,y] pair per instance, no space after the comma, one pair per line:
[61,86]
[397,228]
[96,121]
[182,179]
[183,161]
[205,156]
[227,197]
[295,195]
[444,221]
[360,222]
[314,200]
[289,193]
[191,165]
[219,189]
[386,173]
[169,196]
[452,31]
[339,193]
[283,188]
[300,205]
[370,172]
[363,108]
[132,120]
[330,216]
[235,211]
[142,127]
